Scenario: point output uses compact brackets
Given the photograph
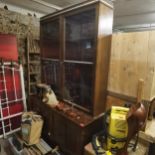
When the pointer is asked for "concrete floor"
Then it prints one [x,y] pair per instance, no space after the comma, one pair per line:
[142,149]
[5,147]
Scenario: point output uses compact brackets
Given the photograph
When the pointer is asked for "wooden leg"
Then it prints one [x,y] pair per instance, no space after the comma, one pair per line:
[151,111]
[136,142]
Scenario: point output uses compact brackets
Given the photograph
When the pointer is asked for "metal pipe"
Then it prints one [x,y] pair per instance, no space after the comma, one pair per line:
[11,132]
[9,63]
[15,69]
[14,83]
[4,66]
[12,101]
[6,95]
[2,120]
[23,87]
[11,116]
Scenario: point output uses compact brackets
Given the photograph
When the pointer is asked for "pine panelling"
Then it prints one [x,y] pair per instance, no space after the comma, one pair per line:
[153,89]
[151,62]
[132,58]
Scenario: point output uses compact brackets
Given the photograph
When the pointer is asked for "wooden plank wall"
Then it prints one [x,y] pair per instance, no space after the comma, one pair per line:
[151,61]
[132,58]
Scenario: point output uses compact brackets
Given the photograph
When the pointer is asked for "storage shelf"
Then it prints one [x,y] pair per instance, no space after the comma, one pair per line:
[79,62]
[50,59]
[32,93]
[33,73]
[33,83]
[75,63]
[34,53]
[34,62]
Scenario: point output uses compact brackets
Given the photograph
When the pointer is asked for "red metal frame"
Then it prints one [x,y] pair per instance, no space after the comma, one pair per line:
[12,99]
[12,93]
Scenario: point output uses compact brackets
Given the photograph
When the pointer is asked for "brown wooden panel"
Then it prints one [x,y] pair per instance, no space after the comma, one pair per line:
[105,21]
[73,143]
[132,58]
[60,130]
[114,101]
[151,64]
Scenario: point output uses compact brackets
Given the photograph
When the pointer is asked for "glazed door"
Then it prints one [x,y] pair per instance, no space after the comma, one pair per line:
[50,39]
[79,56]
[80,36]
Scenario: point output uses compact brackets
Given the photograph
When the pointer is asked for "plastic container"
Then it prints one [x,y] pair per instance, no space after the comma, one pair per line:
[13,147]
[118,127]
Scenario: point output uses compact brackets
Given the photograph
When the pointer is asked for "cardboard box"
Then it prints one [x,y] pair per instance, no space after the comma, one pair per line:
[13,148]
[31,127]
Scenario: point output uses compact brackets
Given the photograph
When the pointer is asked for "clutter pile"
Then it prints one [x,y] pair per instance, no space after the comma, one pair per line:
[29,141]
[31,127]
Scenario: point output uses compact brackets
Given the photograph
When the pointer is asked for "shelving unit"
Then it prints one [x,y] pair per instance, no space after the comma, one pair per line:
[33,65]
[75,52]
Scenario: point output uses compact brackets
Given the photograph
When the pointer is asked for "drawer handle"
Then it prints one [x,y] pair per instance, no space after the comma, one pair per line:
[49,133]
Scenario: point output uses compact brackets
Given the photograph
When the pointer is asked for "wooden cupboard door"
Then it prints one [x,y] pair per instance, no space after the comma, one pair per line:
[59,128]
[46,113]
[78,83]
[73,142]
[34,102]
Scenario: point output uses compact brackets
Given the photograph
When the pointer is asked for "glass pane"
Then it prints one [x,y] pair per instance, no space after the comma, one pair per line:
[78,84]
[80,36]
[51,75]
[50,39]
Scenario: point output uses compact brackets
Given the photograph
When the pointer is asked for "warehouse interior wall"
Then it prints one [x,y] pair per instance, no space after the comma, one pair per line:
[19,25]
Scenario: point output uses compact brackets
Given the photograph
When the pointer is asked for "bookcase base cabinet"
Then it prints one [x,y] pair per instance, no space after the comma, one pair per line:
[60,129]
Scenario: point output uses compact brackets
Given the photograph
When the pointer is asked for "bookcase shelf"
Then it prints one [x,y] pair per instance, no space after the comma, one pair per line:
[33,64]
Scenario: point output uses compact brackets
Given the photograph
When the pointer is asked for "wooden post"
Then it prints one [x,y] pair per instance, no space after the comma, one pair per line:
[140,90]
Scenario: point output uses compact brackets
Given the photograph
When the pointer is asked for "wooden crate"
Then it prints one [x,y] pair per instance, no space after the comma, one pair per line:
[132,58]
